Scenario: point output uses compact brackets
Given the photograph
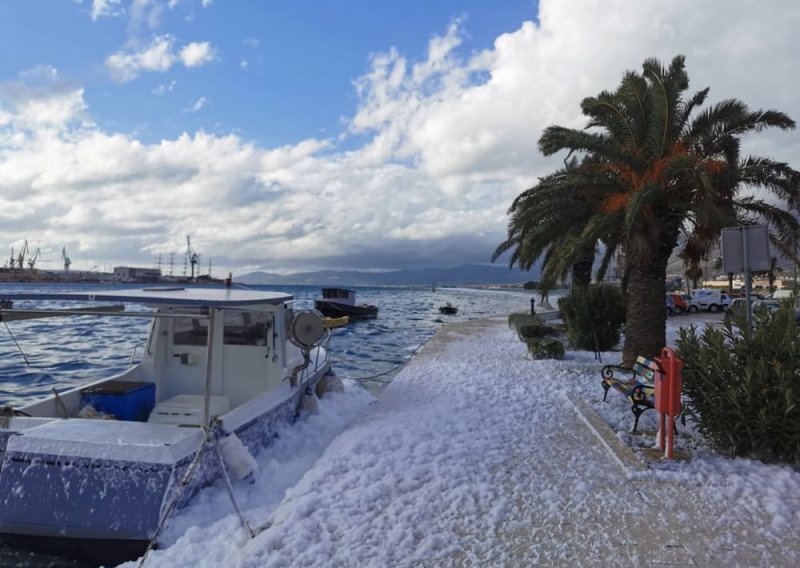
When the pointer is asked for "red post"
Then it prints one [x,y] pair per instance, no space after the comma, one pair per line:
[668,397]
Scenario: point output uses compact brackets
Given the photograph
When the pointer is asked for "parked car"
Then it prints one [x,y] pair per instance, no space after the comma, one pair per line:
[736,309]
[691,305]
[770,305]
[710,299]
[680,305]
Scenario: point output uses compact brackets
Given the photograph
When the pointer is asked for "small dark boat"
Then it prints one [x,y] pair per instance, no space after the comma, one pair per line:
[448,309]
[338,302]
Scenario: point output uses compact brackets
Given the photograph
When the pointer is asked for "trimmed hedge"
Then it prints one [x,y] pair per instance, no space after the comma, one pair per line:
[545,348]
[537,336]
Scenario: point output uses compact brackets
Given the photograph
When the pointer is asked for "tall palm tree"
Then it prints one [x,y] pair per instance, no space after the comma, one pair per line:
[669,174]
[546,221]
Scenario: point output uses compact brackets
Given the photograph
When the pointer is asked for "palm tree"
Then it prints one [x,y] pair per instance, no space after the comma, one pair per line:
[546,221]
[669,174]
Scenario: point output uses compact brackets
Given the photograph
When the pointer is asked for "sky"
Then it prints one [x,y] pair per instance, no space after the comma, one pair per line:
[307,135]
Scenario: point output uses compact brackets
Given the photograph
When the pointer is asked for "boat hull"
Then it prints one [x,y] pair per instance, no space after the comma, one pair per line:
[105,510]
[337,310]
[100,551]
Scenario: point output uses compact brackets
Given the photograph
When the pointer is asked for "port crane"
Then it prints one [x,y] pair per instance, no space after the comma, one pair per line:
[32,260]
[21,256]
[192,257]
[65,258]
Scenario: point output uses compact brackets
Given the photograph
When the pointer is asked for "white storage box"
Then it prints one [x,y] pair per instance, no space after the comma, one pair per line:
[187,409]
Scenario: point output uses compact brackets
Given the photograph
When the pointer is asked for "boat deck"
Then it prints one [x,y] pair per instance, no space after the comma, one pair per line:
[106,440]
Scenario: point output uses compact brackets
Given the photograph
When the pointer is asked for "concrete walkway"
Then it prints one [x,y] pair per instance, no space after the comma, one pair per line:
[581,500]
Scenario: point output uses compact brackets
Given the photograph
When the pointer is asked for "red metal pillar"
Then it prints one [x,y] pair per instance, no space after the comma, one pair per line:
[668,397]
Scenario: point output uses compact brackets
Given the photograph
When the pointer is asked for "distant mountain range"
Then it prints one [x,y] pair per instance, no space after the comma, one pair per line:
[467,274]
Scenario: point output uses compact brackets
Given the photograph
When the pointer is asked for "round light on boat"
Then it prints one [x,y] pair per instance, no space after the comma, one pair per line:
[307,328]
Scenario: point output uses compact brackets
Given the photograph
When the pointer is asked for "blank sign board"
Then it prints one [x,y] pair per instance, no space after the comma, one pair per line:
[733,248]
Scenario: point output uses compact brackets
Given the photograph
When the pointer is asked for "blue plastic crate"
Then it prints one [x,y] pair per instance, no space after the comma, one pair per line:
[126,400]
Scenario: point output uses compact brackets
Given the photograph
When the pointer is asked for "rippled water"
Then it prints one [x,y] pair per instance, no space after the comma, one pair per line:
[66,352]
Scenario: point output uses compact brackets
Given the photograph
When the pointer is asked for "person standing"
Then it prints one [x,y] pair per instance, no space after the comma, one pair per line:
[533,306]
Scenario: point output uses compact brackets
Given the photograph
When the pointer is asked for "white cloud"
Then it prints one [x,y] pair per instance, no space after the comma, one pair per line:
[105,8]
[164,88]
[197,105]
[438,148]
[196,54]
[159,56]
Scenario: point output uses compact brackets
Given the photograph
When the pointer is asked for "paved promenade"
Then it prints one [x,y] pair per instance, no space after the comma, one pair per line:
[477,456]
[576,504]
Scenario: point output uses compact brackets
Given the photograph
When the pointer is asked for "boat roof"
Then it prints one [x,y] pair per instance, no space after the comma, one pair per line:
[216,297]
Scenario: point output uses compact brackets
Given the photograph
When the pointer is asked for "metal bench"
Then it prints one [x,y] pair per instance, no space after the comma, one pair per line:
[636,383]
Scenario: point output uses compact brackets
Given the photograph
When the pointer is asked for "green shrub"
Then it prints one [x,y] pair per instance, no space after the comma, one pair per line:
[745,391]
[545,348]
[519,319]
[529,331]
[593,316]
[528,326]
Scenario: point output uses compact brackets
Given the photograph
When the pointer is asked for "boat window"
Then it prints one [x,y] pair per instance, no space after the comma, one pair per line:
[246,328]
[190,331]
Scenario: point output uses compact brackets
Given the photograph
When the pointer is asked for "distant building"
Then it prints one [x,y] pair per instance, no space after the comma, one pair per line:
[132,274]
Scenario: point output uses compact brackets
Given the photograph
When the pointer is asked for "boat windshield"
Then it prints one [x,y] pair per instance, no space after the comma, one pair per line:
[246,328]
[241,327]
[191,330]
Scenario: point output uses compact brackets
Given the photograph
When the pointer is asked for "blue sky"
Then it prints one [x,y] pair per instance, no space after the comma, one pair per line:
[286,136]
[281,71]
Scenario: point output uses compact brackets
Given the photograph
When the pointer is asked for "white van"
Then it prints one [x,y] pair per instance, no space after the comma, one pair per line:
[710,299]
[782,294]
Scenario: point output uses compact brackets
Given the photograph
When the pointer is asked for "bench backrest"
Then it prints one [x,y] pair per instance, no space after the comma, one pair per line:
[647,368]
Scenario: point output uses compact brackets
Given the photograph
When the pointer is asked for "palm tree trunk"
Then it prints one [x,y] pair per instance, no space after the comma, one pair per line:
[646,317]
[582,269]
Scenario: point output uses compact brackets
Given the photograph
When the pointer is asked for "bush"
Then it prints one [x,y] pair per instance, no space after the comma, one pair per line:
[528,326]
[537,329]
[593,316]
[520,319]
[745,391]
[545,348]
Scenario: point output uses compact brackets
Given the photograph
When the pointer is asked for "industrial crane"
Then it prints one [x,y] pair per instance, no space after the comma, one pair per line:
[191,257]
[22,253]
[65,258]
[32,260]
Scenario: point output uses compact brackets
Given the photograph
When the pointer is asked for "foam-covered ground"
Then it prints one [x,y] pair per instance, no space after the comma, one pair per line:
[473,456]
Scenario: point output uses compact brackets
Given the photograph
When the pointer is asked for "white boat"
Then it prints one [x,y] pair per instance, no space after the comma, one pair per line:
[219,364]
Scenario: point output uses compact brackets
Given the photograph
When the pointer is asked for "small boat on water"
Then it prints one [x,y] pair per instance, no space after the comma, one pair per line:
[448,309]
[94,471]
[338,302]
[333,323]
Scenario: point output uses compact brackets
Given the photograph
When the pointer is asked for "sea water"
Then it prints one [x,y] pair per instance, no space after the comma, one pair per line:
[37,356]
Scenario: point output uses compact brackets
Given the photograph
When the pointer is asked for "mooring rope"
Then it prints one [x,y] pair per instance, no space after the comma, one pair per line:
[14,339]
[371,378]
[190,471]
[187,477]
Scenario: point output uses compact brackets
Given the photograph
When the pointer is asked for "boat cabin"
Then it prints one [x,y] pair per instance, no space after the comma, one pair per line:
[339,296]
[246,353]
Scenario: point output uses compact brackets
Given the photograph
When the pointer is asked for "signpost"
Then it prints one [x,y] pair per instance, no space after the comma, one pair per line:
[745,249]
